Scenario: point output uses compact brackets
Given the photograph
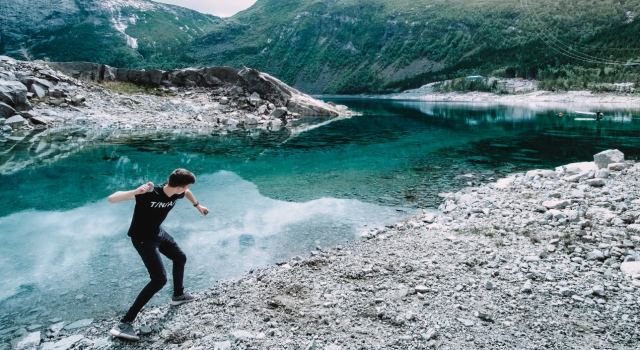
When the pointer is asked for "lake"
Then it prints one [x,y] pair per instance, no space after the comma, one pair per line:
[65,253]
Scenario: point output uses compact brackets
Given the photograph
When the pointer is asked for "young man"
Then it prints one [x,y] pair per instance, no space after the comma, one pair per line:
[153,203]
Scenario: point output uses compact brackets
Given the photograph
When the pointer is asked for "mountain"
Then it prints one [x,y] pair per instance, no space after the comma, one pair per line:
[124,33]
[352,46]
[344,46]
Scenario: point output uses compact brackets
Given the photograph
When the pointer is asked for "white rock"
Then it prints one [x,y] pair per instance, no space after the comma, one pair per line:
[333,347]
[554,214]
[580,176]
[595,255]
[617,166]
[556,204]
[254,99]
[504,183]
[630,268]
[635,228]
[38,90]
[429,217]
[541,173]
[577,168]
[604,158]
[275,124]
[241,334]
[466,322]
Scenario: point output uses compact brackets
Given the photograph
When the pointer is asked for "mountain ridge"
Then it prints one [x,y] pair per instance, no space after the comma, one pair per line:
[367,46]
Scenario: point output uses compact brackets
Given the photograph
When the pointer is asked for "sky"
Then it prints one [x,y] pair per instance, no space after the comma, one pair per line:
[220,8]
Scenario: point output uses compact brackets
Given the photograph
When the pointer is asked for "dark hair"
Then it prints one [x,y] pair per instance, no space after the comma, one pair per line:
[181,177]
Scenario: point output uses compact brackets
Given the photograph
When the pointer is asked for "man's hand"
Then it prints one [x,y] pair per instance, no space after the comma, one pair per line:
[202,209]
[144,188]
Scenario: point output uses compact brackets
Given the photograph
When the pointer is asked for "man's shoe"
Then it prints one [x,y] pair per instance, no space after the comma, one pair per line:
[184,298]
[124,330]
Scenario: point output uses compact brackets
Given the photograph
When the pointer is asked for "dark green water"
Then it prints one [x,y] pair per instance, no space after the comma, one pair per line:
[272,195]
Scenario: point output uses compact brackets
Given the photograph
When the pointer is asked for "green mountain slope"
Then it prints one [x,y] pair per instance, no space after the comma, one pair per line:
[350,46]
[344,46]
[123,33]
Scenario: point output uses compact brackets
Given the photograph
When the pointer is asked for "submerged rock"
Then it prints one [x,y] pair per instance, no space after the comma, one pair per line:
[27,342]
[79,324]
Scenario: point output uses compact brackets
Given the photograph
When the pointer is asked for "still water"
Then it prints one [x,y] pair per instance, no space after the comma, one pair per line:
[64,251]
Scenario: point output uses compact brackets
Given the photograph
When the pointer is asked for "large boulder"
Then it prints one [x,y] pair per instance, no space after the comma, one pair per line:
[29,81]
[141,77]
[267,87]
[81,70]
[281,94]
[604,158]
[6,111]
[577,168]
[13,93]
[38,90]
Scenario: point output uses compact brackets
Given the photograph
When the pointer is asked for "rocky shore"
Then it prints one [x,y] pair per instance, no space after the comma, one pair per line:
[51,110]
[41,94]
[543,259]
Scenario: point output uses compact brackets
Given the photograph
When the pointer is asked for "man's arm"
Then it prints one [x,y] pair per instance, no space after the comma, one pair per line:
[120,196]
[202,209]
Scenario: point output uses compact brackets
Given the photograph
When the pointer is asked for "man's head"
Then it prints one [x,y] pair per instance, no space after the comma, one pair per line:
[181,179]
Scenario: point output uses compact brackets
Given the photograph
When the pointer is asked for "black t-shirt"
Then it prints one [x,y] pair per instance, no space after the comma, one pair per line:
[151,209]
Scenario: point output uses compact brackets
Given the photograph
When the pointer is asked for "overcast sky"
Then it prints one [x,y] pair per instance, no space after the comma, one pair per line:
[221,8]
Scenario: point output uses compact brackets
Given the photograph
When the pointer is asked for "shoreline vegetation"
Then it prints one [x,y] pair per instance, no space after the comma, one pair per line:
[541,259]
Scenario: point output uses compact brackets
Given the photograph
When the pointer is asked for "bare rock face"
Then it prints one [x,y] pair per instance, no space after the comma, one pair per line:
[275,90]
[267,87]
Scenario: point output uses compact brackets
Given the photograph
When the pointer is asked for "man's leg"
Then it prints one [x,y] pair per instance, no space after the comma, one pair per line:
[148,251]
[171,250]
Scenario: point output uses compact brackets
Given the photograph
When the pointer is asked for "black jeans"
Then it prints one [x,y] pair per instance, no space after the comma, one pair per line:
[149,252]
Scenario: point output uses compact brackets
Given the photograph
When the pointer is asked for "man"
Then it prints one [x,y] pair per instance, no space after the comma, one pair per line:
[153,203]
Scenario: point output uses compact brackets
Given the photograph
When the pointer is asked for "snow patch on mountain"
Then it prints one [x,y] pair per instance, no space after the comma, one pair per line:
[121,23]
[116,5]
[121,27]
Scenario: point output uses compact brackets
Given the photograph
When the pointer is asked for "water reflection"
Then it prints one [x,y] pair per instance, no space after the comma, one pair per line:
[82,256]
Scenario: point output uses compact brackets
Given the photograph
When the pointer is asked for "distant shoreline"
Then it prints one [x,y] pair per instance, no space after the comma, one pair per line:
[536,100]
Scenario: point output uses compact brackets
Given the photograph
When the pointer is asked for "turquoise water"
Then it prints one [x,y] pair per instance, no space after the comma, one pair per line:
[272,196]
